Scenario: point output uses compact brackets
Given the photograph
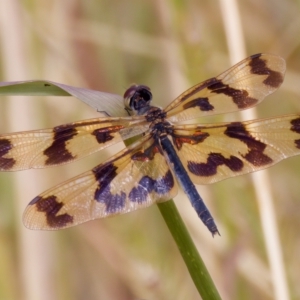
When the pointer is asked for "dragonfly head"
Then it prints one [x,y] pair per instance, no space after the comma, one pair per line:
[137,99]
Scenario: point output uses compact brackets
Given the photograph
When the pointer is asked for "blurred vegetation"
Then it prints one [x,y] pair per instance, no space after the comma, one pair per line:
[169,46]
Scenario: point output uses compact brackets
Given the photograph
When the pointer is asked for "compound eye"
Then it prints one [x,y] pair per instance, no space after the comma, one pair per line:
[137,99]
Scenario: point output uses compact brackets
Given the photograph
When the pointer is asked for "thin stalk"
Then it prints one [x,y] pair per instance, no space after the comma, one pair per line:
[188,251]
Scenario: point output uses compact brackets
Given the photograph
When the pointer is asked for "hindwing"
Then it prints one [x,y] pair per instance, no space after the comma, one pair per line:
[135,178]
[214,152]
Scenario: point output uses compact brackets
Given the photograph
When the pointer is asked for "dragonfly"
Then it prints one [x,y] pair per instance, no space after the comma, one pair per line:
[170,150]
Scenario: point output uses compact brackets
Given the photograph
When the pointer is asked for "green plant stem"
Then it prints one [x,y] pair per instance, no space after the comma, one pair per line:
[190,255]
[187,248]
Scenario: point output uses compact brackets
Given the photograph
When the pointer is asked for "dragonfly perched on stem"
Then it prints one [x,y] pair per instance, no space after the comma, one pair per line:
[168,151]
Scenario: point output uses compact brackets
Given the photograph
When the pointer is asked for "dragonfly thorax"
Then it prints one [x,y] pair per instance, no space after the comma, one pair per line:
[160,128]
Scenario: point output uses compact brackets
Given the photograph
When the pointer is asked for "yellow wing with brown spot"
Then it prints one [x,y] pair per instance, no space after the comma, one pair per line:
[215,152]
[242,86]
[64,143]
[135,178]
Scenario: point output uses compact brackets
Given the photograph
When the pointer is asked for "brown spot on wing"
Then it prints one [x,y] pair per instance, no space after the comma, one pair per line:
[297,142]
[202,103]
[296,128]
[259,67]
[58,153]
[256,148]
[195,138]
[51,207]
[147,154]
[5,163]
[239,97]
[165,184]
[213,161]
[104,174]
[104,134]
[147,185]
[295,125]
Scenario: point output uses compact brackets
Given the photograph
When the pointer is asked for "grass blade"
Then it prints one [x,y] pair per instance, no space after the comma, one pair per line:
[188,250]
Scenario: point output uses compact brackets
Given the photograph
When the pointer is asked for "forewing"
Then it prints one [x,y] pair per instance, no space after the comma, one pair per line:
[135,178]
[65,143]
[242,86]
[218,151]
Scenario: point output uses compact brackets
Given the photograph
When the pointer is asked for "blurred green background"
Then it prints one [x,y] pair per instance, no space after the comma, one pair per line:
[169,46]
